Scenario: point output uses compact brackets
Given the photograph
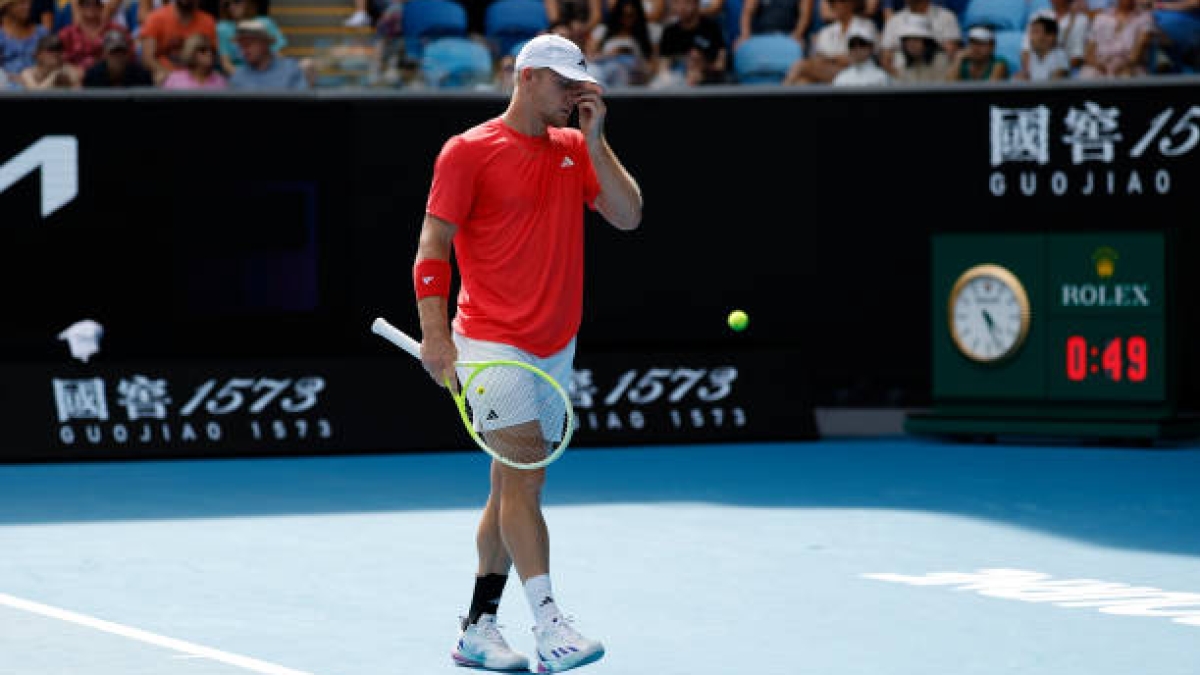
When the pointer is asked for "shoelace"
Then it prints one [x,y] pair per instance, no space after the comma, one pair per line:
[491,631]
[563,632]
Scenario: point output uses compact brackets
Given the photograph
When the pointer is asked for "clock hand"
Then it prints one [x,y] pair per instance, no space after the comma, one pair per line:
[991,326]
[987,318]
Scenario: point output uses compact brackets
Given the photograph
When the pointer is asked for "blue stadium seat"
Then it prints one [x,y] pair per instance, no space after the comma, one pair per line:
[956,6]
[997,14]
[1036,6]
[516,48]
[509,22]
[427,20]
[765,59]
[453,62]
[1008,47]
[62,17]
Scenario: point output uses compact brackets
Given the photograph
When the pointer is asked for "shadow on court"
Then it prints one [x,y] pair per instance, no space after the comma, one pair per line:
[1138,499]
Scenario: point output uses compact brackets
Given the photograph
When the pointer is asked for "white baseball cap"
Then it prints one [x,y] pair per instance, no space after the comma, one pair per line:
[917,26]
[981,34]
[556,53]
[857,30]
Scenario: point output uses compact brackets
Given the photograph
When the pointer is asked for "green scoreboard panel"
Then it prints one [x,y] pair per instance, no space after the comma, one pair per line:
[1059,334]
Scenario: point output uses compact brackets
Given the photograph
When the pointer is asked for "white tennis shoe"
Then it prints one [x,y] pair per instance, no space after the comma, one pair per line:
[561,647]
[480,645]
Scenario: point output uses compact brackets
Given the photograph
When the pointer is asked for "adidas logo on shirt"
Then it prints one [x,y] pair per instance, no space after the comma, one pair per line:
[566,163]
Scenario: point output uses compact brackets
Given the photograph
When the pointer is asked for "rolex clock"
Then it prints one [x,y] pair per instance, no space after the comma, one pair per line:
[988,313]
[1053,334]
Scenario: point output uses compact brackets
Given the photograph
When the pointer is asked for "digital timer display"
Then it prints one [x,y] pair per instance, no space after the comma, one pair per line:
[1119,359]
[1093,358]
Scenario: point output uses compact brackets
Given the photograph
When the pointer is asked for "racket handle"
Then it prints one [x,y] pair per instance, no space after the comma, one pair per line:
[394,335]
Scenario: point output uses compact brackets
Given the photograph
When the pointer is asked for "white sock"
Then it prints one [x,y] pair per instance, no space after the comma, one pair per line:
[541,600]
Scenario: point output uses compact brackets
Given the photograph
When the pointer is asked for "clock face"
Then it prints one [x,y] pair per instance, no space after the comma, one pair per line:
[989,313]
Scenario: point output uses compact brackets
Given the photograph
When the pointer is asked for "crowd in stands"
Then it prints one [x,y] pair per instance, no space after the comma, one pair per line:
[81,44]
[235,44]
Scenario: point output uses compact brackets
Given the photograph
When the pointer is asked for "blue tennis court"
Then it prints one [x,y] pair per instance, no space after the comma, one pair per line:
[890,555]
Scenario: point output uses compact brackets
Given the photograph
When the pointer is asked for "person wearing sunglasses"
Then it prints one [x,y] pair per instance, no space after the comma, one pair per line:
[49,69]
[199,71]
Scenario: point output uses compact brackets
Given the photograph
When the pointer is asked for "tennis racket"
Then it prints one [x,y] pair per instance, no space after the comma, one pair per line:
[513,410]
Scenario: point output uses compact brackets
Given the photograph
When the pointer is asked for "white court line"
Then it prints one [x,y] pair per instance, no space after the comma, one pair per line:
[194,650]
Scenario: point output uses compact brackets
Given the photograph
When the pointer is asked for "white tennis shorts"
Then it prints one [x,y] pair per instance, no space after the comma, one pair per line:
[513,395]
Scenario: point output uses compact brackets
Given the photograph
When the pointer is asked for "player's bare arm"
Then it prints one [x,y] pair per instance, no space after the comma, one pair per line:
[438,352]
[620,199]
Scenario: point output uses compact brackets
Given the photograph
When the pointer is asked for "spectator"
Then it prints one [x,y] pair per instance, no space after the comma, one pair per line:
[759,17]
[505,76]
[943,25]
[574,29]
[862,69]
[234,12]
[868,10]
[621,47]
[263,68]
[50,70]
[117,67]
[201,71]
[921,57]
[829,54]
[692,49]
[1119,42]
[19,36]
[213,7]
[978,62]
[388,43]
[1074,24]
[83,39]
[586,13]
[111,12]
[1045,60]
[1178,23]
[165,30]
[655,11]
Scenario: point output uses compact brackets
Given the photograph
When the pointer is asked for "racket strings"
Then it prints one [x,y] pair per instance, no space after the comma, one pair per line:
[517,414]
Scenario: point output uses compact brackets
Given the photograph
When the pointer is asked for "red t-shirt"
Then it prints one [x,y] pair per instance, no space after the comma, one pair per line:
[169,32]
[518,203]
[83,50]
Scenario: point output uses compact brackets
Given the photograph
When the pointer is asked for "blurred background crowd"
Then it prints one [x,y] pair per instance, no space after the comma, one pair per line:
[661,44]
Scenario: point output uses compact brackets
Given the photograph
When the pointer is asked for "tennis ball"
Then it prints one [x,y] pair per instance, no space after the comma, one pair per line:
[738,320]
[479,391]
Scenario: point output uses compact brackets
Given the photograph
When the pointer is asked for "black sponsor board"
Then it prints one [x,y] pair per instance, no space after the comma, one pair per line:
[289,255]
[165,409]
[691,397]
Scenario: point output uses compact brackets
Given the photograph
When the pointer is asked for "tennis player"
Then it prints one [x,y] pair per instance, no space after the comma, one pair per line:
[508,196]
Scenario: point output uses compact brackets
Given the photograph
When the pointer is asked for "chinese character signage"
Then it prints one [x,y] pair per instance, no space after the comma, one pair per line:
[144,411]
[1088,149]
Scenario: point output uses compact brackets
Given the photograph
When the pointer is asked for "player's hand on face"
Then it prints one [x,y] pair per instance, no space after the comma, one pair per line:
[438,356]
[591,111]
